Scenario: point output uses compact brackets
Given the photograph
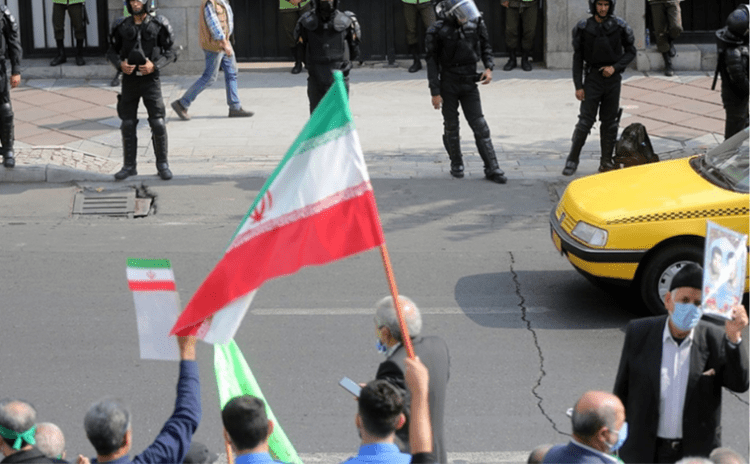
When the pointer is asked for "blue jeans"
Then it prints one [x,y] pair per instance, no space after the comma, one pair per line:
[214,62]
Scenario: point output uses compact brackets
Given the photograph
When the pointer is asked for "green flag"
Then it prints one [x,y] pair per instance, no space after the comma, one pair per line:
[234,378]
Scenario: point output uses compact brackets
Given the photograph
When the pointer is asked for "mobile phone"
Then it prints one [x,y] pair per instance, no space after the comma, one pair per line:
[350,386]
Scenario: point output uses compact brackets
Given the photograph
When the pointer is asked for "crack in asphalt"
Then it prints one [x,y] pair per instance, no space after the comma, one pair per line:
[542,373]
[739,398]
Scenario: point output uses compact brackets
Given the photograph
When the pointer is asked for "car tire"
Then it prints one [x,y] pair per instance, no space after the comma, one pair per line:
[659,270]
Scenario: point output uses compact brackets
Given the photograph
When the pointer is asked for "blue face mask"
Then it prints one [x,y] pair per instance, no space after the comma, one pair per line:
[686,316]
[380,347]
[622,435]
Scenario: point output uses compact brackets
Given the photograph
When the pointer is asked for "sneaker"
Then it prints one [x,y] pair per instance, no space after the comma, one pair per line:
[180,110]
[240,113]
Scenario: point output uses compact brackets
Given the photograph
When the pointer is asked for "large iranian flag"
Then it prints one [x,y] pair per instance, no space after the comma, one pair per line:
[316,207]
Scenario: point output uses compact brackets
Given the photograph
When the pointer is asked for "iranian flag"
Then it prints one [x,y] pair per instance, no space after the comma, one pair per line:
[317,207]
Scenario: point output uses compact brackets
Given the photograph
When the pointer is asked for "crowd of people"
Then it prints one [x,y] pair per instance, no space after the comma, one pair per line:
[665,406]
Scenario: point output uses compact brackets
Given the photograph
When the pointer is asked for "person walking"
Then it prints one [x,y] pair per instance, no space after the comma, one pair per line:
[667,18]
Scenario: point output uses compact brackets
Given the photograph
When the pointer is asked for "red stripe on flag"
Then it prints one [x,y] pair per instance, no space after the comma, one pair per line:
[342,230]
[152,285]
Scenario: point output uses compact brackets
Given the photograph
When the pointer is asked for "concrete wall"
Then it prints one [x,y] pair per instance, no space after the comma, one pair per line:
[563,15]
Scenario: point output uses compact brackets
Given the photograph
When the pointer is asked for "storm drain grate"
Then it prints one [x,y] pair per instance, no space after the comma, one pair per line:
[121,203]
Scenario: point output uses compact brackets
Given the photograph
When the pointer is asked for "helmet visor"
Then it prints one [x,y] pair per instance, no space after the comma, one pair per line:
[464,10]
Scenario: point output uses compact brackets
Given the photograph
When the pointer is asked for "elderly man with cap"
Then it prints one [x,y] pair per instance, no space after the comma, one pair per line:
[17,431]
[599,429]
[672,371]
[431,350]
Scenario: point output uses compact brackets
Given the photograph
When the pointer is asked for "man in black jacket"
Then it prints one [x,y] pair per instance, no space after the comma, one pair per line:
[605,43]
[671,374]
[140,45]
[732,47]
[10,46]
[454,44]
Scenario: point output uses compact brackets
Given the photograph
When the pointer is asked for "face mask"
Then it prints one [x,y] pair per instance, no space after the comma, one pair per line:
[622,435]
[380,347]
[686,316]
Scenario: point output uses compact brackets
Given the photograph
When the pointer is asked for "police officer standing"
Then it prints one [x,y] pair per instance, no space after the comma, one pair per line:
[290,12]
[605,43]
[732,47]
[453,44]
[140,45]
[331,38]
[77,11]
[10,46]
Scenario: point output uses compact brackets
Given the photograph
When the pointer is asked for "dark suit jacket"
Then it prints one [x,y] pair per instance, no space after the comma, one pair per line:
[433,352]
[638,386]
[571,453]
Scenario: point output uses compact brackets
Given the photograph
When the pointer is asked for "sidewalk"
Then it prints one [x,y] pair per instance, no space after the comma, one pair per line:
[68,130]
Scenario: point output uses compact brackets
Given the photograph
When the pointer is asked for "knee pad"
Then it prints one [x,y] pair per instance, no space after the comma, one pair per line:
[128,126]
[450,126]
[480,128]
[157,126]
[6,111]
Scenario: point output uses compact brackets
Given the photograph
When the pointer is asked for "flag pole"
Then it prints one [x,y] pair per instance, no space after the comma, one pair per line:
[405,339]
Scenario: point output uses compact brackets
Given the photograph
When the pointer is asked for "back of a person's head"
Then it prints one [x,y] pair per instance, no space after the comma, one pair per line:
[386,316]
[694,460]
[587,422]
[380,406]
[18,417]
[106,424]
[537,454]
[245,421]
[50,440]
[726,456]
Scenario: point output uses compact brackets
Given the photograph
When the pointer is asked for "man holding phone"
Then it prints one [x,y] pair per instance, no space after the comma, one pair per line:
[452,43]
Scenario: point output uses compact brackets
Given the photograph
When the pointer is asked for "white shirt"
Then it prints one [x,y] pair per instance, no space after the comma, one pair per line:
[675,367]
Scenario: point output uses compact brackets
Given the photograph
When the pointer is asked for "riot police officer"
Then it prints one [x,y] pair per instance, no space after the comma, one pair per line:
[140,45]
[10,46]
[331,38]
[454,44]
[732,47]
[606,44]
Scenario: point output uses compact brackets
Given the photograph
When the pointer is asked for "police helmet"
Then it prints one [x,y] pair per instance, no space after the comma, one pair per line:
[736,29]
[460,10]
[316,4]
[147,5]
[592,7]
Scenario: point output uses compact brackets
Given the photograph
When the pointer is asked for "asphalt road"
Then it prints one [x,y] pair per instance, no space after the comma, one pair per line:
[527,334]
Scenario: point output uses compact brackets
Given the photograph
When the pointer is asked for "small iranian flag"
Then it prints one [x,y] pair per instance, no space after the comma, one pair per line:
[157,306]
[316,207]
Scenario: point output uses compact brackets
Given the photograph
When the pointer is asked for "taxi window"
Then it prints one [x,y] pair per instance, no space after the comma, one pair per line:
[728,165]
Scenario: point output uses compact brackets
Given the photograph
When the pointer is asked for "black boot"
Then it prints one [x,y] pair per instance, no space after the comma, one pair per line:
[414,52]
[129,149]
[668,70]
[525,65]
[79,53]
[60,58]
[608,139]
[491,170]
[512,63]
[452,143]
[6,135]
[571,164]
[159,140]
[297,51]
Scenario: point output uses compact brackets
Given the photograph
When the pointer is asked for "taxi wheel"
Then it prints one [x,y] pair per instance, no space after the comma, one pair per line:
[659,271]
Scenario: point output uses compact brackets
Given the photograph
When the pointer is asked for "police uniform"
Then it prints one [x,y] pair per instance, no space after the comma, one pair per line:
[453,50]
[732,48]
[152,39]
[412,10]
[77,13]
[10,46]
[518,13]
[289,15]
[597,45]
[667,18]
[331,38]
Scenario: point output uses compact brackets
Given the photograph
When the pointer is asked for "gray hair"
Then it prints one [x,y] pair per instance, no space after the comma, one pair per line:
[385,316]
[16,415]
[694,460]
[726,456]
[106,423]
[588,422]
[50,440]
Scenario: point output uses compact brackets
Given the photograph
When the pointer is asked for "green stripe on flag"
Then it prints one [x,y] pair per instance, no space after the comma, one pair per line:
[331,119]
[149,263]
[234,378]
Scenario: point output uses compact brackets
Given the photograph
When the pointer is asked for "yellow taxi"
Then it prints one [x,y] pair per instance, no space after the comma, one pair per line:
[638,226]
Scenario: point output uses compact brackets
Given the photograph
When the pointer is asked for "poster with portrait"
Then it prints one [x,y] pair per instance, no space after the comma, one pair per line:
[724,268]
